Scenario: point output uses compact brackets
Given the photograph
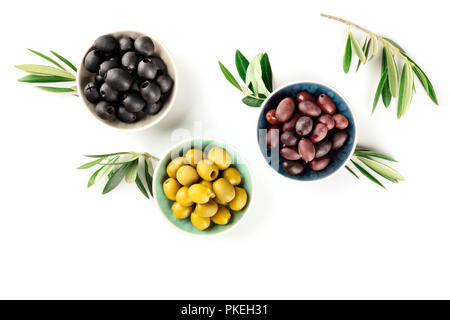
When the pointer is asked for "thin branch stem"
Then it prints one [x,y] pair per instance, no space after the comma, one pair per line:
[371,33]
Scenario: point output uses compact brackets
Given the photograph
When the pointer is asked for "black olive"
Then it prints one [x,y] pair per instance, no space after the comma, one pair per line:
[106,44]
[108,93]
[165,82]
[105,110]
[92,61]
[133,102]
[144,45]
[160,65]
[125,116]
[91,93]
[130,61]
[125,44]
[150,92]
[147,69]
[106,66]
[119,79]
[153,108]
[99,80]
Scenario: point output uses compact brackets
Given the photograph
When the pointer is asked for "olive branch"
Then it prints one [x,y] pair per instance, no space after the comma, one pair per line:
[390,85]
[38,73]
[119,166]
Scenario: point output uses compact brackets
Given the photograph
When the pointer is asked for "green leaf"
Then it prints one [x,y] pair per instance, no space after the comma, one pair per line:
[386,94]
[127,160]
[347,55]
[352,172]
[375,46]
[67,62]
[105,155]
[131,174]
[90,164]
[241,64]
[116,178]
[141,187]
[366,48]
[254,76]
[395,44]
[367,174]
[47,58]
[148,175]
[368,154]
[379,89]
[55,89]
[34,78]
[252,102]
[44,70]
[382,169]
[107,170]
[424,80]
[392,72]
[93,177]
[229,76]
[266,72]
[358,50]
[406,90]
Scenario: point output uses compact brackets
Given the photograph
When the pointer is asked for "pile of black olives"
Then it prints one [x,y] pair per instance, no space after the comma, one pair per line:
[308,130]
[130,80]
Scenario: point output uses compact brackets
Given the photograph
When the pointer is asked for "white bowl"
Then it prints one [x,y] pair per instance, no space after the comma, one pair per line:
[84,77]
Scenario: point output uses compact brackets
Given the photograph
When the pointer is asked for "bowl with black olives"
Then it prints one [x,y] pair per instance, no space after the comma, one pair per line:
[306,131]
[127,80]
[203,186]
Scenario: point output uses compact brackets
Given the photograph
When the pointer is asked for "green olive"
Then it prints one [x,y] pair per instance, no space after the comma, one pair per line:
[208,184]
[199,222]
[199,193]
[207,170]
[224,190]
[222,216]
[170,187]
[193,156]
[239,201]
[220,157]
[220,201]
[206,210]
[187,175]
[182,197]
[180,211]
[233,176]
[174,165]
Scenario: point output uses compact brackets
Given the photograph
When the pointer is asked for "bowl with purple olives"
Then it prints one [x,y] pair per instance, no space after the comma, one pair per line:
[306,131]
[127,80]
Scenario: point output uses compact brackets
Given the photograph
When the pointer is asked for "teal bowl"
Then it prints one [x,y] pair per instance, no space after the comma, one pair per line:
[160,175]
[338,158]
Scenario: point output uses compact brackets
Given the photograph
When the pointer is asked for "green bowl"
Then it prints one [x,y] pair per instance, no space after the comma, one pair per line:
[205,144]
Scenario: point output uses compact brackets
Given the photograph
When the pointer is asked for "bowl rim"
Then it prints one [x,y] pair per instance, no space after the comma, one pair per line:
[158,167]
[174,92]
[349,108]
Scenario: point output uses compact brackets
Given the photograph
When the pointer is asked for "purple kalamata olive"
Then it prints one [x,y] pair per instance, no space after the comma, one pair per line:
[319,164]
[293,167]
[309,108]
[339,139]
[327,120]
[304,125]
[290,153]
[341,121]
[289,138]
[326,104]
[319,133]
[322,148]
[305,96]
[285,109]
[306,149]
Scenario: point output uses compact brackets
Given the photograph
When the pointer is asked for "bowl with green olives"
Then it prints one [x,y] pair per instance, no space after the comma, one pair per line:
[306,131]
[127,80]
[203,186]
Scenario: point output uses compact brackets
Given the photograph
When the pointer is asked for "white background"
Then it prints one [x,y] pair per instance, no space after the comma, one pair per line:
[340,238]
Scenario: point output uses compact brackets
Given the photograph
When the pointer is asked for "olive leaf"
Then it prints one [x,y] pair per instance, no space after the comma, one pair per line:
[254,76]
[66,61]
[229,76]
[406,89]
[47,58]
[131,174]
[252,102]
[391,51]
[90,164]
[93,177]
[358,50]
[266,71]
[44,70]
[392,72]
[352,172]
[369,154]
[379,89]
[347,61]
[55,89]
[116,178]
[149,175]
[382,169]
[141,187]
[241,64]
[367,174]
[34,78]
